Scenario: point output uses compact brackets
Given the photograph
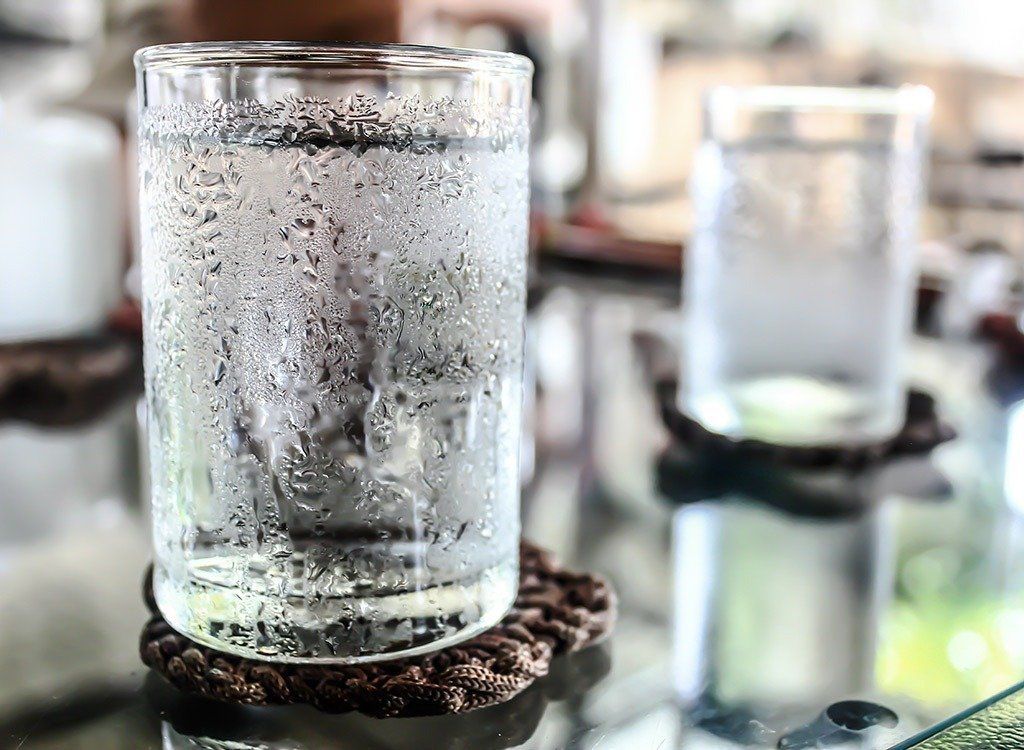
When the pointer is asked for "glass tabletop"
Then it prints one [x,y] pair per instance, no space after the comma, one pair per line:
[759,606]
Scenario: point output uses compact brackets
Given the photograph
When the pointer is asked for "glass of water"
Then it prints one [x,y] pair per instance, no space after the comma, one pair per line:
[333,260]
[799,282]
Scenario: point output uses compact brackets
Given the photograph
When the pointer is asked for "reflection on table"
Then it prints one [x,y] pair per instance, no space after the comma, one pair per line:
[751,596]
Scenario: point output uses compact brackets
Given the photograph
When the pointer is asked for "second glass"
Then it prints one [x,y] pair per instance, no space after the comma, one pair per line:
[799,282]
[334,277]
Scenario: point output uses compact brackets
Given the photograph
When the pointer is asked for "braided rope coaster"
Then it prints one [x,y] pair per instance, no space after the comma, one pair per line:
[922,431]
[556,612]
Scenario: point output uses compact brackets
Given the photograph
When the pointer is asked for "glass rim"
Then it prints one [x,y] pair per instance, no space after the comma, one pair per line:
[340,55]
[868,100]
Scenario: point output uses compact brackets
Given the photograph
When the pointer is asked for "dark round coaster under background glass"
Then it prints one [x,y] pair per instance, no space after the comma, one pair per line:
[555,612]
[922,431]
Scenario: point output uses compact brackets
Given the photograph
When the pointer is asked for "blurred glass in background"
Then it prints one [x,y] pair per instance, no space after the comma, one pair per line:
[801,273]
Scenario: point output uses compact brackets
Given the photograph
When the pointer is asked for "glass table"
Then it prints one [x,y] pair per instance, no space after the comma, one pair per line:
[759,606]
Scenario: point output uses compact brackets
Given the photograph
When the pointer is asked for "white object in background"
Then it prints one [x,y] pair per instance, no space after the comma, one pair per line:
[60,20]
[632,68]
[60,207]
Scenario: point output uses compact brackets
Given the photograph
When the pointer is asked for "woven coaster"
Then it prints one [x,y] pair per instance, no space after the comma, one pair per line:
[556,612]
[922,431]
[68,381]
[683,477]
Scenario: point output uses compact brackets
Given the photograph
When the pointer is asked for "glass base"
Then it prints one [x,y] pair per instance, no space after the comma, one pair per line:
[343,630]
[797,411]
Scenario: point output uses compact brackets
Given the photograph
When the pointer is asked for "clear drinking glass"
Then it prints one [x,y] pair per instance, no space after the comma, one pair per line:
[799,282]
[333,266]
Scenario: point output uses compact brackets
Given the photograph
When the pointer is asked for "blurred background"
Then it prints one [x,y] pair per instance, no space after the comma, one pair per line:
[924,600]
[617,115]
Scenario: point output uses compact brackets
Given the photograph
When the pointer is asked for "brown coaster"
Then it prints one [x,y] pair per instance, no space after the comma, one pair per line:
[685,477]
[922,431]
[67,381]
[556,612]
